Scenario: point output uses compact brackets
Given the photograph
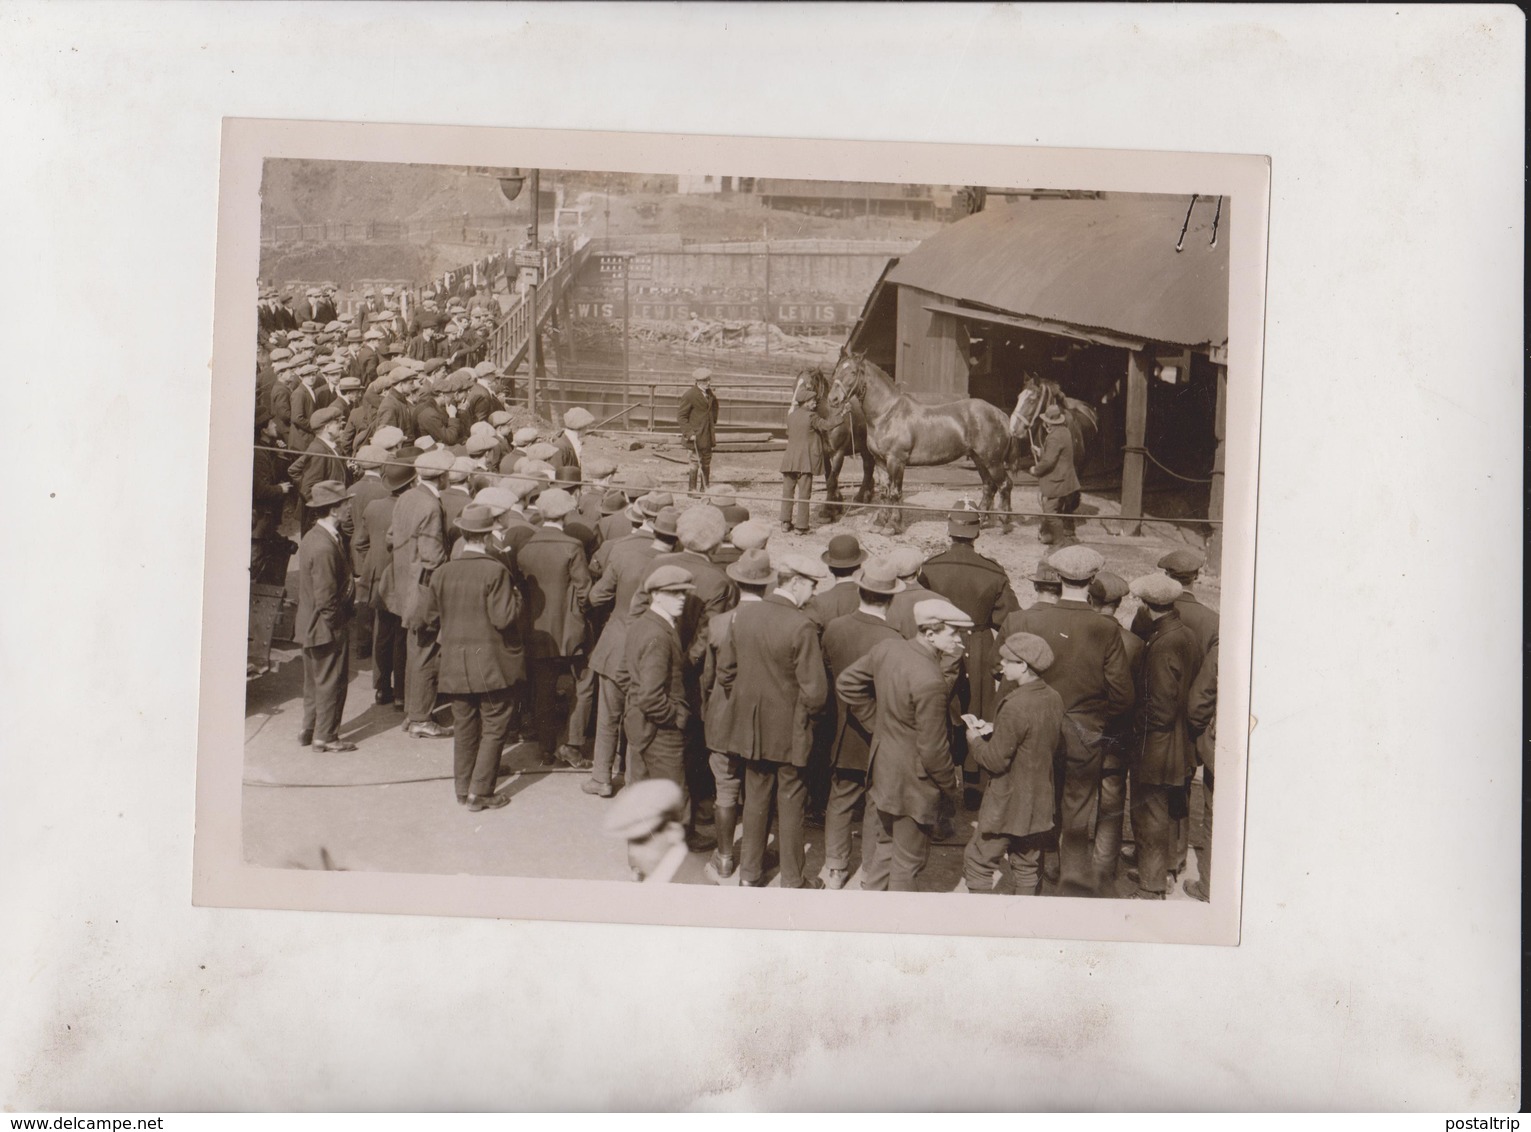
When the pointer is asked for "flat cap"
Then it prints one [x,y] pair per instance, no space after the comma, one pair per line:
[1076,563]
[543,452]
[1107,587]
[1183,560]
[435,461]
[348,383]
[555,503]
[279,353]
[1028,648]
[701,373]
[752,534]
[1156,589]
[642,808]
[325,415]
[482,428]
[906,561]
[700,528]
[668,577]
[578,418]
[434,364]
[802,565]
[425,443]
[480,442]
[389,436]
[497,499]
[499,417]
[939,611]
[523,436]
[598,467]
[370,456]
[462,468]
[485,368]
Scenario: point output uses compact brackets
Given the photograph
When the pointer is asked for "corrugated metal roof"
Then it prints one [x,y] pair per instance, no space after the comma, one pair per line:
[1108,264]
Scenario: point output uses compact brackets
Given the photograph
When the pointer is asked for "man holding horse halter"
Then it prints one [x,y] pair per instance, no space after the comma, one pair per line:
[1057,482]
[803,459]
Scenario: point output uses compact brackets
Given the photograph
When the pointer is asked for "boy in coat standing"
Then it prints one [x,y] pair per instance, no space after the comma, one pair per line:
[1017,808]
[323,622]
[481,657]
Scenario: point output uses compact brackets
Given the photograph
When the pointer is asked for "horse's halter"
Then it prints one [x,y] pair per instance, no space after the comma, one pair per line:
[842,390]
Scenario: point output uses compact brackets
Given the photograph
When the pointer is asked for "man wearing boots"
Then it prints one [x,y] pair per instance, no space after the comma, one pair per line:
[1057,483]
[697,416]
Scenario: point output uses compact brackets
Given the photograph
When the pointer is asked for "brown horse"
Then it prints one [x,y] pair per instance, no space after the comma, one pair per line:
[902,432]
[1038,394]
[848,435]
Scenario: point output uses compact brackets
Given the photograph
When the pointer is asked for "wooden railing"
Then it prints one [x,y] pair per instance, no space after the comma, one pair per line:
[560,264]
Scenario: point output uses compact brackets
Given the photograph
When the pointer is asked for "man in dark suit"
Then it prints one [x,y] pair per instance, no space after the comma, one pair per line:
[657,708]
[772,671]
[323,620]
[570,443]
[624,564]
[1184,565]
[481,657]
[844,557]
[909,564]
[321,460]
[847,639]
[269,550]
[1106,593]
[1019,754]
[418,541]
[557,579]
[481,401]
[308,397]
[802,460]
[1163,758]
[697,416]
[899,693]
[372,515]
[393,407]
[1057,482]
[436,415]
[1090,671]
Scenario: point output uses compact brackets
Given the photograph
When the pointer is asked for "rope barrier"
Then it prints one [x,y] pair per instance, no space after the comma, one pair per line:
[1161,467]
[849,506]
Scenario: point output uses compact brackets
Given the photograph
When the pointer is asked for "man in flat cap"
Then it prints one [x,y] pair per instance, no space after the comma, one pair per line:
[899,693]
[1019,753]
[1163,756]
[374,585]
[323,622]
[595,473]
[418,538]
[321,460]
[569,448]
[697,416]
[658,708]
[847,639]
[1057,482]
[772,671]
[367,488]
[908,563]
[1106,592]
[1090,672]
[802,460]
[557,580]
[482,659]
[650,816]
[436,415]
[1184,565]
[269,550]
[393,407]
[481,401]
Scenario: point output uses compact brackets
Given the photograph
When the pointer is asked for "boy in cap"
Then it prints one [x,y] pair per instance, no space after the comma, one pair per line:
[417,535]
[772,671]
[1163,757]
[1057,483]
[899,693]
[557,579]
[1090,672]
[697,416]
[658,708]
[569,448]
[1019,753]
[325,594]
[482,660]
[847,639]
[650,815]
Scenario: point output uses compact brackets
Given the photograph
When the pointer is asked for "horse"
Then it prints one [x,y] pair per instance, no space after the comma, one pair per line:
[902,432]
[847,435]
[1038,394]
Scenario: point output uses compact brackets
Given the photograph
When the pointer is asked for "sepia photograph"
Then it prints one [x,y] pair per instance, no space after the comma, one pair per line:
[731,531]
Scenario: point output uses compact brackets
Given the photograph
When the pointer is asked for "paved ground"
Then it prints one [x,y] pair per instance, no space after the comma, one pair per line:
[390,805]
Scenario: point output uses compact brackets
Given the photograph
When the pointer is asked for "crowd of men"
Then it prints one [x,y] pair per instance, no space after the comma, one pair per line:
[514,581]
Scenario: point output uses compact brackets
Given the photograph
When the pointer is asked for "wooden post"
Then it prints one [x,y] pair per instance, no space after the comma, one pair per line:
[652,389]
[1215,497]
[1139,364]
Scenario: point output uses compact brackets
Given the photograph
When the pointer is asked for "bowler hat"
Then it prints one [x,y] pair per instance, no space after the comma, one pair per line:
[844,551]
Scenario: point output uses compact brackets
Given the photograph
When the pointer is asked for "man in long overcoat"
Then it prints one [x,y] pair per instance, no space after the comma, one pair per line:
[323,620]
[418,541]
[1057,482]
[658,709]
[772,671]
[1019,755]
[1163,756]
[374,588]
[847,639]
[557,579]
[697,416]
[481,661]
[803,459]
[1106,593]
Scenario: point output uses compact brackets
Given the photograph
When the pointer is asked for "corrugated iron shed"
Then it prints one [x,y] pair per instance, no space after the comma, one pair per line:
[1103,264]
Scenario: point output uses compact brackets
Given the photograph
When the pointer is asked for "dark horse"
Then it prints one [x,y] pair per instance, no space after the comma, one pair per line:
[902,432]
[848,436]
[1038,394]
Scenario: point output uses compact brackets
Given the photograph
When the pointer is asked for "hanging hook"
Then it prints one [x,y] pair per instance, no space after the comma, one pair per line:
[1216,216]
[1180,243]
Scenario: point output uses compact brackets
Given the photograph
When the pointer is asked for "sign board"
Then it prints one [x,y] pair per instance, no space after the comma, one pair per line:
[786,312]
[528,257]
[638,266]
